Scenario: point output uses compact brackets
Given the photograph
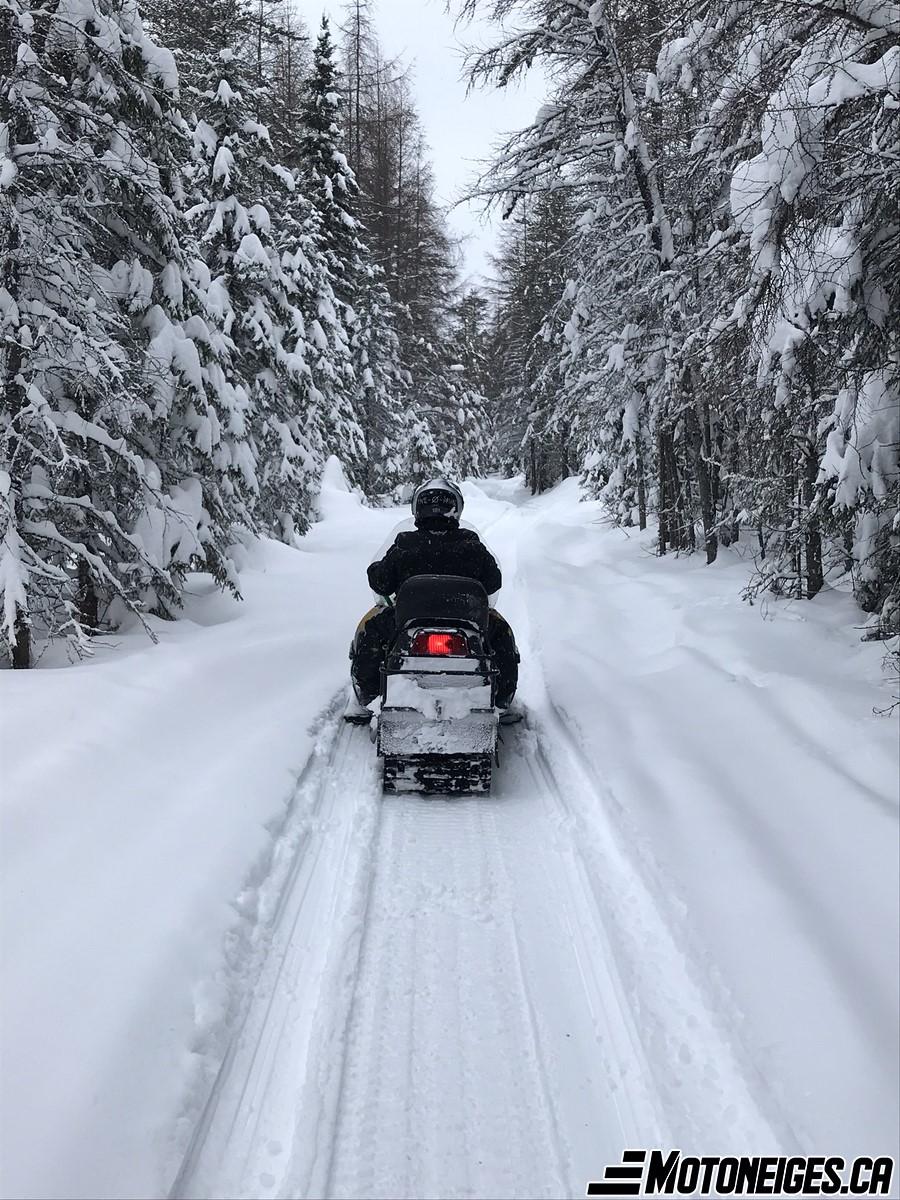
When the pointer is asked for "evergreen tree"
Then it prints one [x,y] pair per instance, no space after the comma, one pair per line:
[366,307]
[332,185]
[421,460]
[405,230]
[261,244]
[721,346]
[531,276]
[469,423]
[105,360]
[382,385]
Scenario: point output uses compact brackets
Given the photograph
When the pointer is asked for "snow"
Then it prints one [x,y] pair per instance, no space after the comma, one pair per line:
[224,93]
[793,131]
[336,499]
[169,348]
[206,136]
[223,164]
[13,571]
[252,251]
[318,336]
[444,703]
[172,284]
[144,830]
[674,923]
[259,215]
[161,64]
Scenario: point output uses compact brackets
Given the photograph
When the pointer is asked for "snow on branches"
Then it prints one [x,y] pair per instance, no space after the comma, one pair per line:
[721,344]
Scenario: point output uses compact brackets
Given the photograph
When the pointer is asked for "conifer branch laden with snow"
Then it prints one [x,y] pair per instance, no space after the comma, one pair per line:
[200,302]
[721,345]
[100,362]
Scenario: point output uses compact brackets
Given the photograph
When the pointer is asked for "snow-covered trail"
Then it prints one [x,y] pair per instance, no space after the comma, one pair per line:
[718,746]
[443,1010]
[673,923]
[500,999]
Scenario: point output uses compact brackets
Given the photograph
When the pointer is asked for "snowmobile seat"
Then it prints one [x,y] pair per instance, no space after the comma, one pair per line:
[442,598]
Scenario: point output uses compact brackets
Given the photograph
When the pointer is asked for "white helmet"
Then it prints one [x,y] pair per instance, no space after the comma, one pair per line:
[437,498]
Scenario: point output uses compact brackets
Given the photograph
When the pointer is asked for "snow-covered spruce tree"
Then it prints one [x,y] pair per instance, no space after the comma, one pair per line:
[810,95]
[332,186]
[455,409]
[382,384]
[104,493]
[626,338]
[468,449]
[365,305]
[534,430]
[726,336]
[421,460]
[404,227]
[261,244]
[515,323]
[470,443]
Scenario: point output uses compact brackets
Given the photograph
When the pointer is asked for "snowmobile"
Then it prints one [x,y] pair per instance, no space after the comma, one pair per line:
[437,729]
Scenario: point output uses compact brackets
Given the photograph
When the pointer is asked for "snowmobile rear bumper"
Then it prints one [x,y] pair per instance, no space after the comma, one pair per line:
[433,754]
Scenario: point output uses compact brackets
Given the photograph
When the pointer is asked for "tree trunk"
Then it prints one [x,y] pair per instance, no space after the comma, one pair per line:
[812,537]
[564,452]
[357,54]
[796,494]
[641,483]
[662,501]
[398,237]
[88,603]
[13,403]
[21,651]
[683,521]
[701,470]
[711,444]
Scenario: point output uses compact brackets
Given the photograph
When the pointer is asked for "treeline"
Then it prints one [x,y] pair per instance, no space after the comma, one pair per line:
[697,298]
[221,261]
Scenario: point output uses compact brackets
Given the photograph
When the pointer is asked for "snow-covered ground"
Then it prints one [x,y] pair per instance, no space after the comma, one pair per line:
[230,966]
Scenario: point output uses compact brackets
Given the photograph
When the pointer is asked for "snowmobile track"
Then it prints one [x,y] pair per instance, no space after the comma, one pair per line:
[317,861]
[461,997]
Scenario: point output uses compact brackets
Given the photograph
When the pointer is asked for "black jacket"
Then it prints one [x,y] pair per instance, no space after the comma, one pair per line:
[447,550]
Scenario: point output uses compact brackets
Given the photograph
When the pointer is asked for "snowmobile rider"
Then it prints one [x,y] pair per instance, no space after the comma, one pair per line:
[437,546]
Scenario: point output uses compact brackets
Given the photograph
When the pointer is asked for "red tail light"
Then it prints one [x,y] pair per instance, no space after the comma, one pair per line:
[445,644]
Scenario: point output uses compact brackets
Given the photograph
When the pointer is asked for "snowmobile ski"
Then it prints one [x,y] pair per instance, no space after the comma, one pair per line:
[356,713]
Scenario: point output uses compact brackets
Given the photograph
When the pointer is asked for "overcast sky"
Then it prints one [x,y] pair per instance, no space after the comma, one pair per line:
[461,130]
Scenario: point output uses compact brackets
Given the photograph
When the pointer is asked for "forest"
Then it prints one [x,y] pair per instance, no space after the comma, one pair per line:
[222,260]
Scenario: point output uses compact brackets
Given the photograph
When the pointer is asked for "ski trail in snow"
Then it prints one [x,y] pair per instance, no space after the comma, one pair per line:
[248,1121]
[672,923]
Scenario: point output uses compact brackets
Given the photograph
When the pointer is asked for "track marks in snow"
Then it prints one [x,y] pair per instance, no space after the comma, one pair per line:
[443,1090]
[305,898]
[688,1028]
[469,997]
